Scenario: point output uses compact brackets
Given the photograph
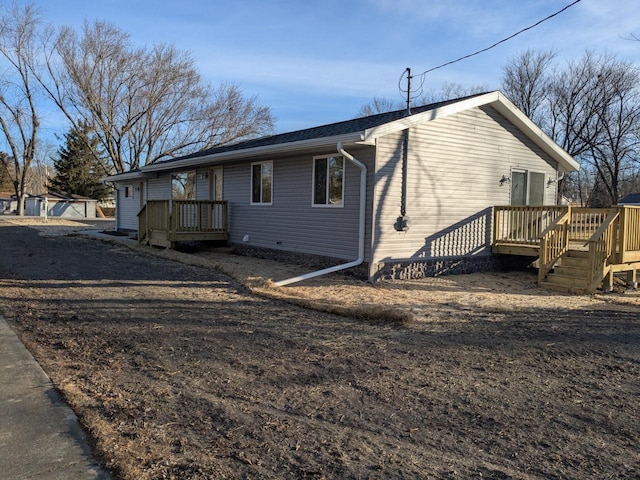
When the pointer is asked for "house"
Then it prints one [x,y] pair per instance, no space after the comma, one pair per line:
[405,195]
[631,199]
[56,204]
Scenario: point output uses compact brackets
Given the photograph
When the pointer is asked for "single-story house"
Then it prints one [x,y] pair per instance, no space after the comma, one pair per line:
[405,194]
[631,199]
[56,204]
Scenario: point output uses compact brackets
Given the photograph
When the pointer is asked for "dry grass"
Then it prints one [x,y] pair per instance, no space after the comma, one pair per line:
[178,373]
[397,303]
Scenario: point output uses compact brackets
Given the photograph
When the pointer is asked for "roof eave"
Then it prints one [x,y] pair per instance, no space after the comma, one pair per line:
[123,177]
[429,115]
[246,153]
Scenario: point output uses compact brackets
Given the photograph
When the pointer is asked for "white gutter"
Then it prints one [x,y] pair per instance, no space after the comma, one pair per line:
[361,227]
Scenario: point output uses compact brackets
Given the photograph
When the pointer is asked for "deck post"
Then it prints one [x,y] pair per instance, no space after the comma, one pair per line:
[622,235]
[632,278]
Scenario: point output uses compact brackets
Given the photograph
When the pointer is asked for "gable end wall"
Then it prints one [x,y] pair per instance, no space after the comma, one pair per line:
[454,167]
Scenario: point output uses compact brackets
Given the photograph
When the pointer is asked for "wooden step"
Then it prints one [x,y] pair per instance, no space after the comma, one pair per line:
[577,262]
[563,288]
[577,254]
[567,280]
[570,273]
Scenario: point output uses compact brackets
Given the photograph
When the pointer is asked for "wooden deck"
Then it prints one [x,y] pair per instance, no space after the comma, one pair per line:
[578,249]
[164,222]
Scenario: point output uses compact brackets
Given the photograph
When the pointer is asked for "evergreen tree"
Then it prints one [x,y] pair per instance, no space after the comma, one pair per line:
[6,184]
[77,169]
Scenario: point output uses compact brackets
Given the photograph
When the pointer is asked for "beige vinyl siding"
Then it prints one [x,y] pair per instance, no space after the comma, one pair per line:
[159,188]
[290,222]
[202,184]
[455,164]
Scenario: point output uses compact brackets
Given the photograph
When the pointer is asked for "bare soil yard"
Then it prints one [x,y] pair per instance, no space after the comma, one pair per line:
[181,371]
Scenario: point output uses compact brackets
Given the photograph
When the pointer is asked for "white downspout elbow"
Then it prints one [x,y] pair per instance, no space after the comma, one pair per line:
[361,226]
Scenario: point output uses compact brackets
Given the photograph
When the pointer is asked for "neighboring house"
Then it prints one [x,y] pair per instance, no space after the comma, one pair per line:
[8,203]
[631,199]
[424,207]
[55,204]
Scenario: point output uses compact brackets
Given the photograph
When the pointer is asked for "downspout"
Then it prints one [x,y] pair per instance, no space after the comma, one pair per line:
[403,221]
[117,211]
[361,226]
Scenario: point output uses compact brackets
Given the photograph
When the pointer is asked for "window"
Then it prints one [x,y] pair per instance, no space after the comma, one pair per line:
[128,192]
[328,181]
[527,188]
[261,183]
[183,186]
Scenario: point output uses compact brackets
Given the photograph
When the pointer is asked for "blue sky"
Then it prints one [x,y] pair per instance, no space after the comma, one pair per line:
[316,62]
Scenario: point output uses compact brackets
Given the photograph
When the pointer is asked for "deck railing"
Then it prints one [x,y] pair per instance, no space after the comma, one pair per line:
[198,216]
[629,236]
[585,221]
[554,242]
[602,247]
[523,224]
[175,218]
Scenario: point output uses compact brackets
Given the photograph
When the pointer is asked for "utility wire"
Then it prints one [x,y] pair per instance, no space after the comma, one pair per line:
[497,43]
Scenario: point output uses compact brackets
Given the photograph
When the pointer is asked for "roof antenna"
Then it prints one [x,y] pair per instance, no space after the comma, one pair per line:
[409,77]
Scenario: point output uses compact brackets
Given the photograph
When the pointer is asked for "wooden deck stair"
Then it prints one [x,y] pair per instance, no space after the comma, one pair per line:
[570,274]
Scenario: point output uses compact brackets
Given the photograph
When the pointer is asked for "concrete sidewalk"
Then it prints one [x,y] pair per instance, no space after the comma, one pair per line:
[40,437]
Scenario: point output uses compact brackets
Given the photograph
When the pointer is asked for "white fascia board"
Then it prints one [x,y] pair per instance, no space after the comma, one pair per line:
[430,115]
[248,153]
[123,177]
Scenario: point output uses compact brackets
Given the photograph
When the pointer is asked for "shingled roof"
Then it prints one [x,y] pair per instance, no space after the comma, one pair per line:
[632,198]
[363,130]
[330,130]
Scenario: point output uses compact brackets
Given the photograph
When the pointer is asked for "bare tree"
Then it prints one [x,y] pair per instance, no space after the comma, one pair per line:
[614,156]
[447,91]
[379,105]
[590,108]
[144,104]
[451,90]
[19,121]
[526,80]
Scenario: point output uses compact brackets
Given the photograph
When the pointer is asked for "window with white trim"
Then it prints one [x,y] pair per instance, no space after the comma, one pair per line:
[328,181]
[527,187]
[262,183]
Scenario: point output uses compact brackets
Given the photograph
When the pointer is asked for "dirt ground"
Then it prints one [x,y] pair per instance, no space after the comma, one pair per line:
[179,370]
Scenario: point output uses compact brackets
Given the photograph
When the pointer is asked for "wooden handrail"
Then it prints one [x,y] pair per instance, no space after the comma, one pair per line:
[554,242]
[143,229]
[602,245]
